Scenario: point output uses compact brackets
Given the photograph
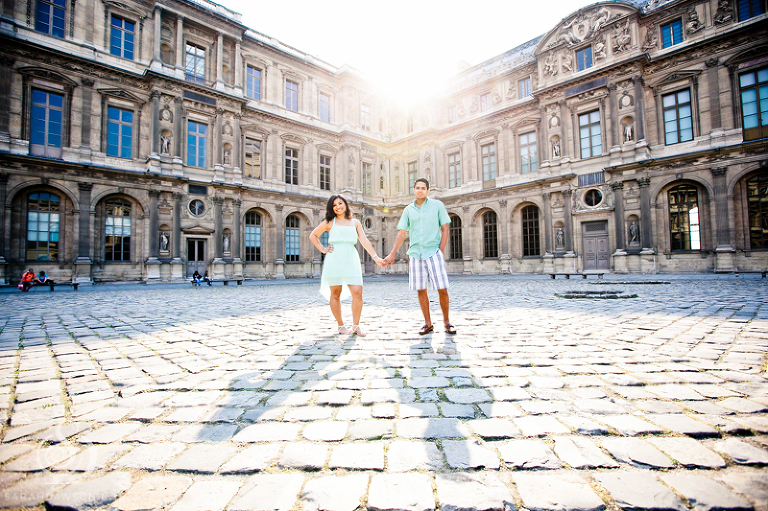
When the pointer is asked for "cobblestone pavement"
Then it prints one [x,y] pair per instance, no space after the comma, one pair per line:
[131,397]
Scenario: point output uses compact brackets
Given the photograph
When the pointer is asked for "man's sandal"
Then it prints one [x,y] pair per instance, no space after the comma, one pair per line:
[426,329]
[358,331]
[450,329]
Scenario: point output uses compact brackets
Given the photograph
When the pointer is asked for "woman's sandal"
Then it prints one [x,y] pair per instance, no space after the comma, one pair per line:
[343,330]
[358,331]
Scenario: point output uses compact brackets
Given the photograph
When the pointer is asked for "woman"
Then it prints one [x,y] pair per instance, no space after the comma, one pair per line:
[342,264]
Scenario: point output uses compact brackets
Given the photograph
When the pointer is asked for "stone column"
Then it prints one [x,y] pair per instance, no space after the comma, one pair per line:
[644,184]
[85,135]
[724,252]
[155,123]
[548,258]
[180,50]
[157,59]
[504,259]
[218,168]
[279,243]
[618,213]
[153,264]
[564,148]
[568,220]
[83,262]
[639,109]
[3,185]
[238,70]
[6,79]
[236,235]
[468,236]
[713,84]
[502,161]
[218,203]
[179,128]
[614,115]
[237,151]
[317,263]
[177,263]
[219,62]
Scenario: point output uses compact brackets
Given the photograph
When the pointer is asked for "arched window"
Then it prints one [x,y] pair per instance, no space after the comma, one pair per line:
[757,204]
[454,233]
[292,239]
[531,246]
[684,218]
[252,237]
[43,226]
[490,235]
[117,230]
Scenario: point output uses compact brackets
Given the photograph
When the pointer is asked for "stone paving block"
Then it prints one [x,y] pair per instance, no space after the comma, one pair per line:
[683,424]
[752,485]
[153,492]
[713,391]
[188,414]
[303,456]
[704,493]
[334,397]
[528,454]
[545,407]
[451,410]
[401,492]
[268,432]
[383,411]
[12,433]
[580,452]
[509,394]
[675,392]
[308,413]
[205,433]
[431,428]
[688,452]
[334,493]
[374,396]
[404,456]
[583,425]
[149,457]
[742,452]
[368,456]
[268,492]
[659,407]
[503,409]
[630,425]
[8,452]
[109,433]
[370,429]
[241,399]
[203,458]
[428,382]
[472,492]
[41,458]
[90,494]
[540,426]
[493,428]
[636,452]
[467,396]
[561,491]
[756,423]
[290,399]
[598,406]
[93,458]
[252,459]
[639,490]
[223,415]
[464,454]
[263,414]
[26,417]
[706,407]
[34,490]
[207,496]
[741,405]
[326,431]
[10,478]
[152,433]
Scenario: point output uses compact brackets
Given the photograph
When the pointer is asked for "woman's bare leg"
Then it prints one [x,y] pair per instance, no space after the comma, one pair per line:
[357,306]
[335,302]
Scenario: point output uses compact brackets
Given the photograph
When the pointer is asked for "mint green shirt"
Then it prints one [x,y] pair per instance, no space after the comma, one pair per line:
[423,225]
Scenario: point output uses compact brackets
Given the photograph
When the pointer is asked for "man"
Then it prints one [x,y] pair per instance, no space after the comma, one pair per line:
[27,280]
[43,280]
[426,221]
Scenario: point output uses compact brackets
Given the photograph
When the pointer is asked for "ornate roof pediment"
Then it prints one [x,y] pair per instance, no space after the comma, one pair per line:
[197,229]
[46,74]
[584,25]
[677,76]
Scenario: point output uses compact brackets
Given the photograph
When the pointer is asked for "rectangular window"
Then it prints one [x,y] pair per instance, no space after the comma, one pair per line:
[291,166]
[411,176]
[324,107]
[252,237]
[119,132]
[524,88]
[195,64]
[43,219]
[753,87]
[595,178]
[671,34]
[678,126]
[750,8]
[121,37]
[584,58]
[292,246]
[454,170]
[454,233]
[197,190]
[591,137]
[117,231]
[488,153]
[325,172]
[292,95]
[50,16]
[367,178]
[485,102]
[365,117]
[46,123]
[452,114]
[197,142]
[252,166]
[528,159]
[253,83]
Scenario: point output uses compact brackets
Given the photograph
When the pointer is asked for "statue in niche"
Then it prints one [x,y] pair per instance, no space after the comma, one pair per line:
[560,238]
[163,241]
[634,232]
[694,24]
[225,243]
[165,144]
[567,63]
[556,147]
[227,155]
[629,134]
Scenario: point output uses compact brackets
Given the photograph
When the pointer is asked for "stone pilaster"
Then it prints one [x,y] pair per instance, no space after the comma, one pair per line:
[724,252]
[219,84]
[6,78]
[154,223]
[280,243]
[3,186]
[618,214]
[177,263]
[87,93]
[83,262]
[546,196]
[218,203]
[644,184]
[504,259]
[218,168]
[180,49]
[236,238]
[639,108]
[568,221]
[713,84]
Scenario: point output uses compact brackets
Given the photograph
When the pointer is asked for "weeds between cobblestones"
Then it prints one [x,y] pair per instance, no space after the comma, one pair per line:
[241,398]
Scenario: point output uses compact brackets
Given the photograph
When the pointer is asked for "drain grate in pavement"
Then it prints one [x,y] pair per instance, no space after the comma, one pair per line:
[596,295]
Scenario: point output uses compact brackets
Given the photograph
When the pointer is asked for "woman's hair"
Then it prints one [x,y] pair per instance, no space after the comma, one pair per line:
[329,214]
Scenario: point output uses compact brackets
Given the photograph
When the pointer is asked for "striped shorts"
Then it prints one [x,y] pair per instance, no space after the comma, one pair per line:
[434,268]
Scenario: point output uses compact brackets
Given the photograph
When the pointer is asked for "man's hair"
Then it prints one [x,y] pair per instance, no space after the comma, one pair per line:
[423,180]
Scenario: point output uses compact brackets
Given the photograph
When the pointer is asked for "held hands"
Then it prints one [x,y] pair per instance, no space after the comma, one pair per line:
[381,262]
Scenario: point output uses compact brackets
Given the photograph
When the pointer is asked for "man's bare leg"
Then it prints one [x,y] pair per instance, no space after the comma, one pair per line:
[424,303]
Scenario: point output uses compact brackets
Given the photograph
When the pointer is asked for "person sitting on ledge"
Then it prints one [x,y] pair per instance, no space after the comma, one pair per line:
[27,280]
[43,280]
[207,279]
[196,278]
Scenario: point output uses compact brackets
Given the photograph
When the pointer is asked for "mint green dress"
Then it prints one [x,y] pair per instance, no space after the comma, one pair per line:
[342,266]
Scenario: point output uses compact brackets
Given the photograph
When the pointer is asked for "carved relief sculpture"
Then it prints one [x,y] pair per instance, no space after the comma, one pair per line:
[651,38]
[599,48]
[724,12]
[694,24]
[567,63]
[511,91]
[550,65]
[621,38]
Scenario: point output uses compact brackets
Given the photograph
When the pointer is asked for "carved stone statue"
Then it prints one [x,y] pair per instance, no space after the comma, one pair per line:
[560,238]
[163,242]
[724,12]
[550,65]
[629,135]
[634,232]
[694,24]
[556,148]
[165,144]
[599,47]
[225,243]
[621,37]
[227,155]
[567,63]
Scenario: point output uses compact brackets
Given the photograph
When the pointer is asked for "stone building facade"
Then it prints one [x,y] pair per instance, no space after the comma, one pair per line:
[141,141]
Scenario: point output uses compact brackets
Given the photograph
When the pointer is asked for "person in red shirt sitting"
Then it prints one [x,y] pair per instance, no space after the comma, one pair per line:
[27,280]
